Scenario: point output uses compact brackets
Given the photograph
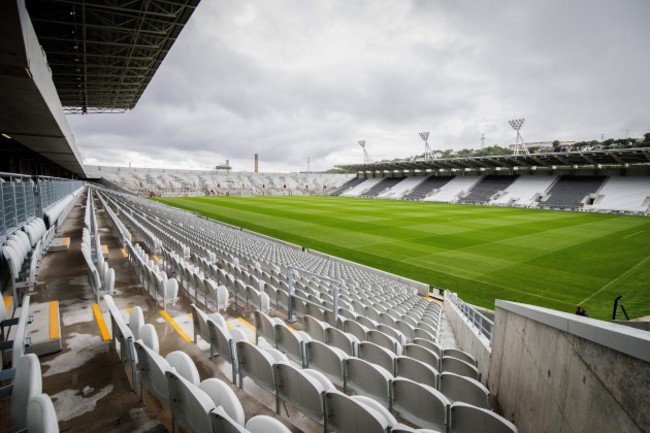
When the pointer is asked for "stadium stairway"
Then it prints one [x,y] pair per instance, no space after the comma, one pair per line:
[385,184]
[569,192]
[483,191]
[426,187]
[347,185]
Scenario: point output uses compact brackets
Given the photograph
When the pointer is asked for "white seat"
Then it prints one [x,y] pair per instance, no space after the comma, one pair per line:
[189,404]
[327,360]
[265,327]
[223,396]
[152,368]
[465,389]
[423,354]
[343,414]
[291,343]
[301,388]
[255,363]
[265,424]
[41,416]
[384,340]
[420,404]
[28,382]
[375,354]
[348,343]
[315,328]
[460,354]
[184,366]
[149,337]
[225,344]
[368,379]
[136,320]
[458,366]
[417,371]
[465,418]
[356,329]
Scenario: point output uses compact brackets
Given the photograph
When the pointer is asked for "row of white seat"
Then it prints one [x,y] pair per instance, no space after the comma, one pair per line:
[100,276]
[313,388]
[208,406]
[58,211]
[24,251]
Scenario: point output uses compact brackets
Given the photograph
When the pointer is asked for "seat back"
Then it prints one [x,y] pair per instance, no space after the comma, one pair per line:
[431,345]
[417,371]
[290,343]
[378,355]
[28,382]
[190,405]
[223,423]
[315,328]
[455,365]
[423,354]
[152,368]
[253,362]
[462,355]
[368,379]
[465,418]
[300,389]
[265,327]
[345,415]
[385,341]
[342,340]
[326,360]
[465,389]
[41,416]
[420,404]
[184,366]
[224,397]
[356,329]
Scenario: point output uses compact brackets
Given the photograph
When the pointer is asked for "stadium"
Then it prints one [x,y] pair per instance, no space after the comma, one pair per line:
[427,293]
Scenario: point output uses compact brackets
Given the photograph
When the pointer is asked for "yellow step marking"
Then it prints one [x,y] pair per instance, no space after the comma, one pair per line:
[229,325]
[175,325]
[99,318]
[105,250]
[245,323]
[128,310]
[123,251]
[291,328]
[8,301]
[66,241]
[157,260]
[54,320]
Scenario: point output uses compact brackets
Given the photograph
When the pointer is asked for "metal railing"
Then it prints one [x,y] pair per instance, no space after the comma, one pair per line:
[479,321]
[292,293]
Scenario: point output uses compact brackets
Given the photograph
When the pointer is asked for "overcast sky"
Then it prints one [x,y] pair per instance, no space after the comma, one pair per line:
[292,79]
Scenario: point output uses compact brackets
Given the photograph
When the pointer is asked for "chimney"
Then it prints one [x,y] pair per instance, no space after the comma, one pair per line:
[256,163]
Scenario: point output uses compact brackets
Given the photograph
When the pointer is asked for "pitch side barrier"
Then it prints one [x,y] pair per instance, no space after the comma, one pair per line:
[338,283]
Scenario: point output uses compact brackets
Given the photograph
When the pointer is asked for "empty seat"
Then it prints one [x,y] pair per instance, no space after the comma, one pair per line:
[385,341]
[327,360]
[184,366]
[423,354]
[417,371]
[419,404]
[27,383]
[149,337]
[376,354]
[315,328]
[429,344]
[368,379]
[255,363]
[265,424]
[222,396]
[265,327]
[462,355]
[152,368]
[41,416]
[348,343]
[465,418]
[136,320]
[190,405]
[465,389]
[291,343]
[225,344]
[301,388]
[356,329]
[455,365]
[344,414]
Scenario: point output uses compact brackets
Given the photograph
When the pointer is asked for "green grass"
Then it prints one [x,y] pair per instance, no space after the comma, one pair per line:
[552,259]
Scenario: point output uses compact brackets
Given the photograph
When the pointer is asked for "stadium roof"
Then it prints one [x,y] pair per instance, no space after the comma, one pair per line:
[579,159]
[103,54]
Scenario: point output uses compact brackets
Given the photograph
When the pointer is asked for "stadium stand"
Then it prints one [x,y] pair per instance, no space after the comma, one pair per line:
[624,194]
[570,192]
[425,188]
[451,190]
[406,185]
[525,191]
[386,184]
[487,188]
[361,188]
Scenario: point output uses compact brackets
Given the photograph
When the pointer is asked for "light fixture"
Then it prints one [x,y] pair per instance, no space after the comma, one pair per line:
[427,150]
[520,145]
[6,136]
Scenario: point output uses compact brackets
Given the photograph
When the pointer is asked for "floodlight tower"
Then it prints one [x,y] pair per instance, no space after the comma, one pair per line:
[482,140]
[520,145]
[366,156]
[427,150]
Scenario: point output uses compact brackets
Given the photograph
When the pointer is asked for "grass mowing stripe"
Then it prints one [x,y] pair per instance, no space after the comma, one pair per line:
[548,258]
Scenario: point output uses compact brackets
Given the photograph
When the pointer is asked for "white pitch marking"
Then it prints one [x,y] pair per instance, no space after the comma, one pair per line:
[614,280]
[629,236]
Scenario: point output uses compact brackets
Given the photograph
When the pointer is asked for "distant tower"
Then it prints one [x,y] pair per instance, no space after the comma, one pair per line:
[427,150]
[256,163]
[366,156]
[482,141]
[308,164]
[520,145]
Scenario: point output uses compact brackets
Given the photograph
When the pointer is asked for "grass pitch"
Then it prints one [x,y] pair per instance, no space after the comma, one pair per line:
[548,258]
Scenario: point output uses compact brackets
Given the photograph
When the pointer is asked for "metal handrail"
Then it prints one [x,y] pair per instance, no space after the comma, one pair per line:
[292,295]
[478,320]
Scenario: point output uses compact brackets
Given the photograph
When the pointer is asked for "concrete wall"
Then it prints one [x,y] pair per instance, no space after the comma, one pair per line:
[468,339]
[557,372]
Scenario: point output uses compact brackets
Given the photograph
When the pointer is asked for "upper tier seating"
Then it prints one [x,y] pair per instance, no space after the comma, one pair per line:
[406,185]
[525,190]
[348,185]
[362,187]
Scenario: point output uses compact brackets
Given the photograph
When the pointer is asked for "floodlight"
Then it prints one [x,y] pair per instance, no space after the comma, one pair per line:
[427,150]
[366,156]
[520,145]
